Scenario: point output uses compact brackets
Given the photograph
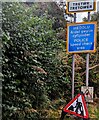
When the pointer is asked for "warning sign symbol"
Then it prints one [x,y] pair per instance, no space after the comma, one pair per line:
[88,93]
[77,107]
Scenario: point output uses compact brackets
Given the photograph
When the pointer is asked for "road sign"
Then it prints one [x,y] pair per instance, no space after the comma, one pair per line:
[88,93]
[80,6]
[81,37]
[77,107]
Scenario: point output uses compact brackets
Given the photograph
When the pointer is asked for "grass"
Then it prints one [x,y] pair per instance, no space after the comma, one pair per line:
[93,110]
[54,111]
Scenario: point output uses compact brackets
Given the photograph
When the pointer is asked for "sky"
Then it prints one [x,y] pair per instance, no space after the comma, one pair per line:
[81,15]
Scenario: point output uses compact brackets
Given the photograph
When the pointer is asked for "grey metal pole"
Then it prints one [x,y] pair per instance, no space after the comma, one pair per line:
[1,75]
[73,66]
[87,61]
[73,74]
[87,70]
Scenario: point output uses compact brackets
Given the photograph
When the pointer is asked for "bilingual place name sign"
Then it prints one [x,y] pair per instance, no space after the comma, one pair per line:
[81,6]
[81,37]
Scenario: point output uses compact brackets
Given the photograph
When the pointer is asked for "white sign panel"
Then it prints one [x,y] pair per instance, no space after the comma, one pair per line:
[81,6]
[88,93]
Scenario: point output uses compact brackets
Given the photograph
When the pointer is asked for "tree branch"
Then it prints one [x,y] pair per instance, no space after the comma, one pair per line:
[90,69]
[93,67]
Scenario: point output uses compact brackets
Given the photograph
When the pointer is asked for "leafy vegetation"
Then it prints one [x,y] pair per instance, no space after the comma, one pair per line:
[32,69]
[36,68]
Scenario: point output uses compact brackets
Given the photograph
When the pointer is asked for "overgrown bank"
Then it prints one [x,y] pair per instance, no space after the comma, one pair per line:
[36,68]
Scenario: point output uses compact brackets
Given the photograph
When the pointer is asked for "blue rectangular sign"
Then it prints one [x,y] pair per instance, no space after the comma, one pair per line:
[81,37]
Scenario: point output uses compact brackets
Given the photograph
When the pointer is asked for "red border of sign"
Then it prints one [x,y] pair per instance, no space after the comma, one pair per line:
[74,113]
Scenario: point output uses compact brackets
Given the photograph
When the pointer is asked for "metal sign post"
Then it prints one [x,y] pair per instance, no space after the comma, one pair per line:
[87,60]
[81,38]
[73,74]
[73,66]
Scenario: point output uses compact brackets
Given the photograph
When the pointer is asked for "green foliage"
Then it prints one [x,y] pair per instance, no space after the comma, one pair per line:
[36,69]
[32,69]
[97,113]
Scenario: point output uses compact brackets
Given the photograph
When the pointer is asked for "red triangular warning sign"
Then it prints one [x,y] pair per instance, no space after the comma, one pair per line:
[77,107]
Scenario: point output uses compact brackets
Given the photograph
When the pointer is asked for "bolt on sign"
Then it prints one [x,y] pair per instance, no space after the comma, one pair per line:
[88,93]
[81,6]
[81,37]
